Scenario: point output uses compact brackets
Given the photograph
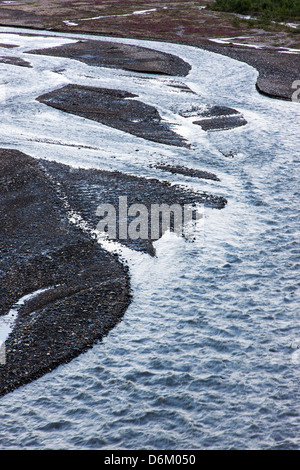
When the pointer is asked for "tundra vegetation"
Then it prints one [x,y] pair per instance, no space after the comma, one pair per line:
[273,9]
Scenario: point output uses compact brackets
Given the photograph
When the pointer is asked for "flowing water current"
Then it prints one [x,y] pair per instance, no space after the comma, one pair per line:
[207,355]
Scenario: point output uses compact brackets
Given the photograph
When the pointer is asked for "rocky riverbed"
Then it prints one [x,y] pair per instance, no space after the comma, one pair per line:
[188,22]
[81,290]
[87,290]
[114,108]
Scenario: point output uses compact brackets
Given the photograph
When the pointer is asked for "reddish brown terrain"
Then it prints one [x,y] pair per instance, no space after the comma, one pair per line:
[181,21]
[186,22]
[170,20]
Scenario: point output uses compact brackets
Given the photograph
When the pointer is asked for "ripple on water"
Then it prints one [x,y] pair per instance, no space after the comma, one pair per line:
[207,355]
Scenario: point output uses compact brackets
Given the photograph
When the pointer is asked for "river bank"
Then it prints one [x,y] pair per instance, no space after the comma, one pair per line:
[79,292]
[207,354]
[34,347]
[268,50]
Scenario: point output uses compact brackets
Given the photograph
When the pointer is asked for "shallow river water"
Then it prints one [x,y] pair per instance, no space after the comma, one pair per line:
[207,356]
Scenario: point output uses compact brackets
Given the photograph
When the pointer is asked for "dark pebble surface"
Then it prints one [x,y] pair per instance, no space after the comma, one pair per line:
[39,249]
[89,287]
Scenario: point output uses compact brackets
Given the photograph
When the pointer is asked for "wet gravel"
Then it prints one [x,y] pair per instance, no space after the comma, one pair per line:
[40,249]
[89,288]
[114,108]
[182,170]
[277,69]
[86,189]
[14,61]
[122,56]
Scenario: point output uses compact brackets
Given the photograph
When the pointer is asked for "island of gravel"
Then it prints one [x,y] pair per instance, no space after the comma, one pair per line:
[88,288]
[190,23]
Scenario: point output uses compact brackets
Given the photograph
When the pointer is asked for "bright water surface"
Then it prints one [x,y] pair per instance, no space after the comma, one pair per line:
[208,354]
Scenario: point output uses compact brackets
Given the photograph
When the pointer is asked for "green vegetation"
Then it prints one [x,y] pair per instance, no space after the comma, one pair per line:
[278,10]
[263,22]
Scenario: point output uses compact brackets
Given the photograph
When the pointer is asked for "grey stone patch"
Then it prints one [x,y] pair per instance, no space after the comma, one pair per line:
[181,170]
[8,46]
[220,118]
[114,109]
[40,248]
[121,56]
[221,123]
[15,61]
[86,189]
[214,118]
